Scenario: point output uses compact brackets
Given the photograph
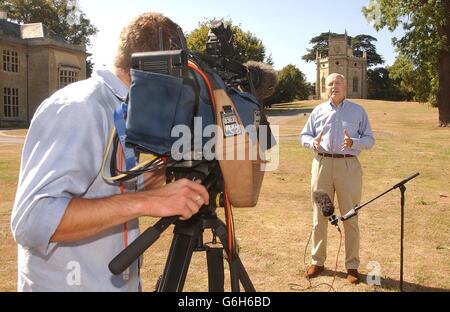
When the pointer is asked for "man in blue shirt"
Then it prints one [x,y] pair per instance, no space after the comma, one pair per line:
[68,222]
[337,131]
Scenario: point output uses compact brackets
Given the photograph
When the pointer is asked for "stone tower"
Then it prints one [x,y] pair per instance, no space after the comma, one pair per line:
[341,60]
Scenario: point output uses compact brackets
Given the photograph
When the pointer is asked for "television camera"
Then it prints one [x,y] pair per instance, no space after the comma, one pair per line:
[175,87]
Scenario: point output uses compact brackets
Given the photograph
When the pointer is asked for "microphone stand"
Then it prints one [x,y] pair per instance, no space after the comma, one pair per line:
[354,212]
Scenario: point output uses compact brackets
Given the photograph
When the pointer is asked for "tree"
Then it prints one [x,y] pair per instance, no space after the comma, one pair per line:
[269,60]
[403,71]
[363,43]
[320,44]
[360,43]
[291,86]
[248,45]
[61,17]
[382,86]
[426,43]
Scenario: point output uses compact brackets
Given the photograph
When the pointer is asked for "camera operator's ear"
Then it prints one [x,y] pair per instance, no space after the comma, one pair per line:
[161,39]
[124,76]
[182,43]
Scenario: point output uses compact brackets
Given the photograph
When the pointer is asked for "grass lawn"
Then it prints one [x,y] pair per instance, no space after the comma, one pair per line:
[273,235]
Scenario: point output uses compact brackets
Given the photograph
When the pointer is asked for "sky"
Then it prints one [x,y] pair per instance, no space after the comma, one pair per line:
[284,26]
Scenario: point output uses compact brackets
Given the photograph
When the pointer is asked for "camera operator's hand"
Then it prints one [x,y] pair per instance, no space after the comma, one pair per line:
[86,217]
[181,198]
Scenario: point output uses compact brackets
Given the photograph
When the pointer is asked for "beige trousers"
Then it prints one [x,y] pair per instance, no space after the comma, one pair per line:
[342,176]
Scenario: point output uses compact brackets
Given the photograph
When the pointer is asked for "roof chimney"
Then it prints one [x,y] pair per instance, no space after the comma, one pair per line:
[3,15]
[31,31]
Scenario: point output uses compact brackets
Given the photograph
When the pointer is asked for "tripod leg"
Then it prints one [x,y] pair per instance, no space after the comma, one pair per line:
[237,269]
[234,277]
[183,244]
[216,276]
[242,274]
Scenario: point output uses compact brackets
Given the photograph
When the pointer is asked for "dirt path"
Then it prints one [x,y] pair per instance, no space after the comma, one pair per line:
[283,117]
[5,138]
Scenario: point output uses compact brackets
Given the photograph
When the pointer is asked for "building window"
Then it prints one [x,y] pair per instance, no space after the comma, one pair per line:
[67,76]
[355,84]
[10,61]
[11,102]
[323,85]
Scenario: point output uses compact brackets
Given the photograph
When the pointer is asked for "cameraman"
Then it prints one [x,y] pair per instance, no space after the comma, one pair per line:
[67,221]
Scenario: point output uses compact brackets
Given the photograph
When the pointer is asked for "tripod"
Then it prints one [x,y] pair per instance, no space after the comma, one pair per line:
[188,237]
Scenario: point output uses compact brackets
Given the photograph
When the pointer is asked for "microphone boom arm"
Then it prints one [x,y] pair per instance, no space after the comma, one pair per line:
[400,185]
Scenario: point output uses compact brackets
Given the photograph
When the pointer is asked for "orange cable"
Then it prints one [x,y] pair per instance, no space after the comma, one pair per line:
[122,190]
[229,225]
[227,201]
[206,79]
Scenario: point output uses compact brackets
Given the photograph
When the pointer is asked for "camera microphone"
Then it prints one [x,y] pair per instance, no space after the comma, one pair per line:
[326,206]
[264,78]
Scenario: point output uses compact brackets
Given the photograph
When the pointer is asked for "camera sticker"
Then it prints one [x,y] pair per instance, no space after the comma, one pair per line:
[256,118]
[230,122]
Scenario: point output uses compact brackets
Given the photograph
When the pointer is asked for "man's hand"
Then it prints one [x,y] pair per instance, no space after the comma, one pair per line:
[181,198]
[318,140]
[348,142]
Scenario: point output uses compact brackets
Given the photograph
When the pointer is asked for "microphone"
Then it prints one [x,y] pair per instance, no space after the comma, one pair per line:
[324,203]
[264,78]
[326,206]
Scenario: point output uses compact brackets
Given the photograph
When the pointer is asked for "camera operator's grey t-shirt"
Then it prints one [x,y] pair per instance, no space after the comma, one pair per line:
[62,159]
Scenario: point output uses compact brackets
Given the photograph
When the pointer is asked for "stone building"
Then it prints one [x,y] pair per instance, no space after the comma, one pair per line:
[34,64]
[341,60]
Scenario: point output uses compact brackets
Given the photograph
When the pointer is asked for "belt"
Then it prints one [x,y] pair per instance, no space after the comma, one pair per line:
[336,155]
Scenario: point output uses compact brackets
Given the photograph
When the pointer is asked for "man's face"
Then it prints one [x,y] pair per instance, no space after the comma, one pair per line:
[336,88]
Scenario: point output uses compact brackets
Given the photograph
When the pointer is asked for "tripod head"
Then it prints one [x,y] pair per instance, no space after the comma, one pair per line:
[206,171]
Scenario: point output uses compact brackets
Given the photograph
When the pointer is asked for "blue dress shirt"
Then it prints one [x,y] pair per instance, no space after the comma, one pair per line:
[333,121]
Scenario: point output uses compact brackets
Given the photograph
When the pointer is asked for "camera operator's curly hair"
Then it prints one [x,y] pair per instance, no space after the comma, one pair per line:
[142,35]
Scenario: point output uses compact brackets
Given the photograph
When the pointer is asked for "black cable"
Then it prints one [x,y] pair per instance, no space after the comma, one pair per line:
[196,87]
[147,168]
[114,171]
[113,161]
